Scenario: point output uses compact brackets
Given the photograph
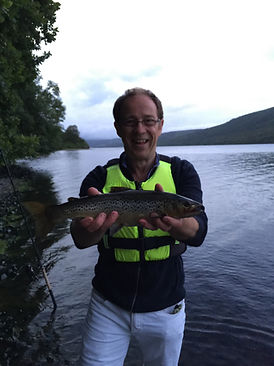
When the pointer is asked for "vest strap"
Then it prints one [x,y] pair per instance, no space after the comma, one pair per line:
[147,243]
[129,253]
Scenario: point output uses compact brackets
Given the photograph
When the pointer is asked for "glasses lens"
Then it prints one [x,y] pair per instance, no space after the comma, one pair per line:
[149,122]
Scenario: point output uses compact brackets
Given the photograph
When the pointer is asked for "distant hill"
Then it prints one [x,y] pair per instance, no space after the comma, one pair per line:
[252,128]
[105,142]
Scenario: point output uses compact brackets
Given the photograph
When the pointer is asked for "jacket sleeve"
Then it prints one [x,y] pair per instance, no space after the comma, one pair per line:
[96,178]
[188,184]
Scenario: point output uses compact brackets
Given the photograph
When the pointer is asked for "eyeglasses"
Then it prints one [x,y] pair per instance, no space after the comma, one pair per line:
[148,122]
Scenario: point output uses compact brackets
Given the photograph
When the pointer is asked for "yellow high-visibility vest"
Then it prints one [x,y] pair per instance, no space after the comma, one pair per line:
[160,241]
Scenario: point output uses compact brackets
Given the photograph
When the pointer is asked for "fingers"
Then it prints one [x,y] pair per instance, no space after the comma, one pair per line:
[93,191]
[161,223]
[165,223]
[179,229]
[155,222]
[159,188]
[147,225]
[102,222]
[109,221]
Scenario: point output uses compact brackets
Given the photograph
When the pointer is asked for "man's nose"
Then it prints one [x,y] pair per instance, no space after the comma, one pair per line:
[140,126]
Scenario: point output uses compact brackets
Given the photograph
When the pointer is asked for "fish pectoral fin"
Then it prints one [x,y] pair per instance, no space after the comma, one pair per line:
[114,228]
[119,189]
[156,216]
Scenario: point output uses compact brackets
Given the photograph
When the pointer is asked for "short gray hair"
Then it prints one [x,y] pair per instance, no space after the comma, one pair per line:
[132,92]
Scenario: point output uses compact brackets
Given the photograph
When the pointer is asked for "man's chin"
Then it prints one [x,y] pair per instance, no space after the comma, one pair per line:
[141,154]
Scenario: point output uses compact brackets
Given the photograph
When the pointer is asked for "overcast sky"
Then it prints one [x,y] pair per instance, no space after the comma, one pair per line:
[207,60]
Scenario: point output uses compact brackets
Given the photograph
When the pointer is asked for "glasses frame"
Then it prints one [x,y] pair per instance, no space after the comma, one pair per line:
[132,123]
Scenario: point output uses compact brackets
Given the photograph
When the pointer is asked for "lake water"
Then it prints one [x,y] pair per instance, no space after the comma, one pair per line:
[229,279]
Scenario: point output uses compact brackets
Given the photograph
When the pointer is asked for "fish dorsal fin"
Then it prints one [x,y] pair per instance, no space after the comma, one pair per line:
[119,189]
[72,199]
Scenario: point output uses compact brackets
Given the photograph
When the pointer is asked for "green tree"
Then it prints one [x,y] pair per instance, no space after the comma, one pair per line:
[43,113]
[72,139]
[71,133]
[25,25]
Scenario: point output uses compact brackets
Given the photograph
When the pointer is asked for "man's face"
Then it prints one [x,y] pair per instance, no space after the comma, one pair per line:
[139,140]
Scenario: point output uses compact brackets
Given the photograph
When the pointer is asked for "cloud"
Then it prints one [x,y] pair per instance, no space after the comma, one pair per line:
[148,72]
[90,100]
[208,61]
[89,92]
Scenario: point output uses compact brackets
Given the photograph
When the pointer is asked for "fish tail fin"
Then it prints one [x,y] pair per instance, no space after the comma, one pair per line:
[43,223]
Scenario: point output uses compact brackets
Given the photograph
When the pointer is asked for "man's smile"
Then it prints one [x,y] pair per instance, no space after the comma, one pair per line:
[140,141]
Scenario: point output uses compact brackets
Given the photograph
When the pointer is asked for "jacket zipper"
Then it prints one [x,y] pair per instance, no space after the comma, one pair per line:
[138,186]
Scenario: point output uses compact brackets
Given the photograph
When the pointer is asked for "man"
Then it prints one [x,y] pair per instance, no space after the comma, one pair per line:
[138,289]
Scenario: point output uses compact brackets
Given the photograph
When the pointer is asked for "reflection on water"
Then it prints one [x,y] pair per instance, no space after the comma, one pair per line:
[229,279]
[22,290]
[67,168]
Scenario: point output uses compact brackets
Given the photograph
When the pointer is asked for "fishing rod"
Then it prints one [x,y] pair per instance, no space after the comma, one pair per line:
[29,232]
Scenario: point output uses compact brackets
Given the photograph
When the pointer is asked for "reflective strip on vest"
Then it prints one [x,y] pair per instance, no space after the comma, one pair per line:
[127,255]
[115,178]
[157,254]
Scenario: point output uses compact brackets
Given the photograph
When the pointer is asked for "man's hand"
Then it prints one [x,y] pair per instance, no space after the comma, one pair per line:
[179,229]
[102,222]
[89,231]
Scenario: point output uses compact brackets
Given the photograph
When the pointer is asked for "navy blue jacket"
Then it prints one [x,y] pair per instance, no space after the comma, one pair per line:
[146,286]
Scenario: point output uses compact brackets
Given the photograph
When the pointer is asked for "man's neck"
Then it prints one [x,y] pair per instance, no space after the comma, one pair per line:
[140,168]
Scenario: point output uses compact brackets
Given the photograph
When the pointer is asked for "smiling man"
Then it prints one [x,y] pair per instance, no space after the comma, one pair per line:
[138,288]
[139,124]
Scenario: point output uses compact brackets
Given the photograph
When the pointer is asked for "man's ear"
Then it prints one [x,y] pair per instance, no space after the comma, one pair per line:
[161,123]
[117,128]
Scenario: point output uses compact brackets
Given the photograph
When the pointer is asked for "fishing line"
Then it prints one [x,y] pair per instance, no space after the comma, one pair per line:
[29,232]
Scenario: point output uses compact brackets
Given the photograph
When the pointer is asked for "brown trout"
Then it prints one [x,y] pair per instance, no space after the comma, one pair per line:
[132,205]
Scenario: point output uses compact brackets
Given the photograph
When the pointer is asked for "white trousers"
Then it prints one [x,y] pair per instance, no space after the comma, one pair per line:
[109,329]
